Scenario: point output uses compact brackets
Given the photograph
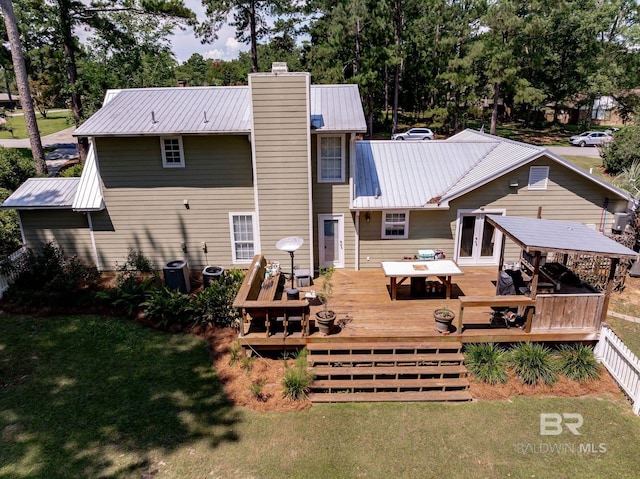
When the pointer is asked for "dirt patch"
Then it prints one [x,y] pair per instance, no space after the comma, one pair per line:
[564,387]
[237,380]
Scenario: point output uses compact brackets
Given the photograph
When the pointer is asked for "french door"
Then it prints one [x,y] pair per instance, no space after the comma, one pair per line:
[331,240]
[478,242]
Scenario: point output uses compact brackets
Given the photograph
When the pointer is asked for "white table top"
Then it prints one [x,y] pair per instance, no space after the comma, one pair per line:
[438,267]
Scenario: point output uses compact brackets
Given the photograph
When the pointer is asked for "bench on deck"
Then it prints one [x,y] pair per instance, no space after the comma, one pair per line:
[497,302]
[261,298]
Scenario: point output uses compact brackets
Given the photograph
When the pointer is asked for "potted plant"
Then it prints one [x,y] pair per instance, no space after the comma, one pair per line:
[444,317]
[325,318]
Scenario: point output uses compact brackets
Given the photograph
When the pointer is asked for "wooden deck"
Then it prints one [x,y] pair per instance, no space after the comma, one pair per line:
[365,312]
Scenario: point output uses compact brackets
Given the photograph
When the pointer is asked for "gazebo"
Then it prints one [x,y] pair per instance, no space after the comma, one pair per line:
[563,300]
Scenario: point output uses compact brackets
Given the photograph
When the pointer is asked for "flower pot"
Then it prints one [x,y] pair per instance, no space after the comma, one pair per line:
[444,318]
[325,321]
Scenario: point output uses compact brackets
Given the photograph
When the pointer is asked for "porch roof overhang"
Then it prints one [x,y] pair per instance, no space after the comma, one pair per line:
[534,234]
[43,194]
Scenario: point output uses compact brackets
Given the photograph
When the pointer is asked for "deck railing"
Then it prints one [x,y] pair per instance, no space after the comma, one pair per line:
[623,365]
[6,278]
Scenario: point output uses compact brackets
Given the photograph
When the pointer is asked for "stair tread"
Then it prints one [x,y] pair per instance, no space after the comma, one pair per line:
[372,383]
[339,371]
[383,345]
[354,358]
[409,396]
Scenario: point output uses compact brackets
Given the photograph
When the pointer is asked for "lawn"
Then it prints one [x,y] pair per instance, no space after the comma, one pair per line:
[55,121]
[85,396]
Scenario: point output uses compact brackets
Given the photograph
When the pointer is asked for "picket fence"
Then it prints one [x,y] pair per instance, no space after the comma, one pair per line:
[6,278]
[623,365]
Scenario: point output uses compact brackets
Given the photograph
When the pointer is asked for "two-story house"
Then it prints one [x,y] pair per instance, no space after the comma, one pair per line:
[216,174]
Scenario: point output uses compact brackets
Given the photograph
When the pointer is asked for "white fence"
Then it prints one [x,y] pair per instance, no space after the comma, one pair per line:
[623,365]
[7,278]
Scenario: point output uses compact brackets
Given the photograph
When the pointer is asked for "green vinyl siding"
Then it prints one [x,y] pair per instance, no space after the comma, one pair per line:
[333,198]
[65,228]
[280,105]
[145,203]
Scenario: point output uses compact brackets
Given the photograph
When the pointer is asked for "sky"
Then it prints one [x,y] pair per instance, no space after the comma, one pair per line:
[185,43]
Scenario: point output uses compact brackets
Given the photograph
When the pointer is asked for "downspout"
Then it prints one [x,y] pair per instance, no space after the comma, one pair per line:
[93,241]
[24,241]
[357,248]
[352,163]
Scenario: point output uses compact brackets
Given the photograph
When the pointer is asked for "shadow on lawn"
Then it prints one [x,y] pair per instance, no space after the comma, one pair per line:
[84,396]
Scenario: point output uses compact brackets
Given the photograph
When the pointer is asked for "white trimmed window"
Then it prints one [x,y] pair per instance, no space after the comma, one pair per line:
[538,177]
[331,159]
[395,225]
[172,152]
[243,236]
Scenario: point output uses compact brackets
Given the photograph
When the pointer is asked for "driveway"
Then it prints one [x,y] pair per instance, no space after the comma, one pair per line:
[590,151]
[64,144]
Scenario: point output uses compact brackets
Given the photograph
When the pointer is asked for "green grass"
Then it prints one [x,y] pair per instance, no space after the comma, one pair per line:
[84,396]
[627,331]
[55,122]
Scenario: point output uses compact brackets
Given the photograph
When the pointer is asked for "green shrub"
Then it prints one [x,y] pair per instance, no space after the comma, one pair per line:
[48,278]
[621,153]
[297,379]
[578,362]
[137,265]
[235,353]
[168,307]
[256,389]
[73,171]
[214,304]
[16,166]
[129,295]
[247,362]
[534,362]
[10,238]
[487,362]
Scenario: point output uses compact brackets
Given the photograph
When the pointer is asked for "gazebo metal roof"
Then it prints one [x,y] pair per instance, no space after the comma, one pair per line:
[534,234]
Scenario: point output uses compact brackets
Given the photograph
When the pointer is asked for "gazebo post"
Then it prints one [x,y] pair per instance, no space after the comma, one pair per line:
[536,274]
[609,290]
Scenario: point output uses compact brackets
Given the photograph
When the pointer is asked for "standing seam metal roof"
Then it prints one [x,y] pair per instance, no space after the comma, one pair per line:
[43,193]
[197,110]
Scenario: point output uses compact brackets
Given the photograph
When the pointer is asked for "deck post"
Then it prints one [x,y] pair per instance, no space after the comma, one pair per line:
[607,293]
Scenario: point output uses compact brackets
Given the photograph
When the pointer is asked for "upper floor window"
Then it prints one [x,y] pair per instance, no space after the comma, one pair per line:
[395,225]
[538,177]
[172,152]
[331,159]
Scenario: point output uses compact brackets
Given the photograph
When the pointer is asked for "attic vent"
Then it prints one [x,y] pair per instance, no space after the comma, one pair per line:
[538,177]
[279,67]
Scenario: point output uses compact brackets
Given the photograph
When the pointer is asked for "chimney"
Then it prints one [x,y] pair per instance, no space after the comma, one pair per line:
[279,67]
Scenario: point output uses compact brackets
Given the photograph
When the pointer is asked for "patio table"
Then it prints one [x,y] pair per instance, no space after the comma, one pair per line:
[443,269]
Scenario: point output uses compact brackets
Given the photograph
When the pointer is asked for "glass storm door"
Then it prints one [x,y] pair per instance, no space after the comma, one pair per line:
[479,242]
[331,240]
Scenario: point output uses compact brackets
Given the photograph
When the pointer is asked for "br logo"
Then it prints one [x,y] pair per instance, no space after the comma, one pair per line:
[552,424]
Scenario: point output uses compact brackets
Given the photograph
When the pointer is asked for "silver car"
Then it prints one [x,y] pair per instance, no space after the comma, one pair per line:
[590,138]
[414,134]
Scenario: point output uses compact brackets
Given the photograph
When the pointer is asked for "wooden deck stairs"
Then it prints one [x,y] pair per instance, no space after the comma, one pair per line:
[388,371]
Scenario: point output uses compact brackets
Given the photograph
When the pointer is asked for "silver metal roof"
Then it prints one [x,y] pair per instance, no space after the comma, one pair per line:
[43,193]
[198,110]
[337,108]
[507,156]
[89,196]
[402,174]
[429,174]
[533,234]
[171,111]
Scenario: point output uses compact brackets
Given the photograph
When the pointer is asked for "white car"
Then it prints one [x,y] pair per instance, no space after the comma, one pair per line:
[590,138]
[414,134]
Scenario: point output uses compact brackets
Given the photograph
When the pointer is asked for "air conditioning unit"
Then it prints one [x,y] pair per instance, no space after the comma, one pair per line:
[620,221]
[176,276]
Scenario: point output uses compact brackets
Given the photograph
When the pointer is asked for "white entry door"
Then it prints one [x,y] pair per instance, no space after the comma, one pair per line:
[331,240]
[478,242]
